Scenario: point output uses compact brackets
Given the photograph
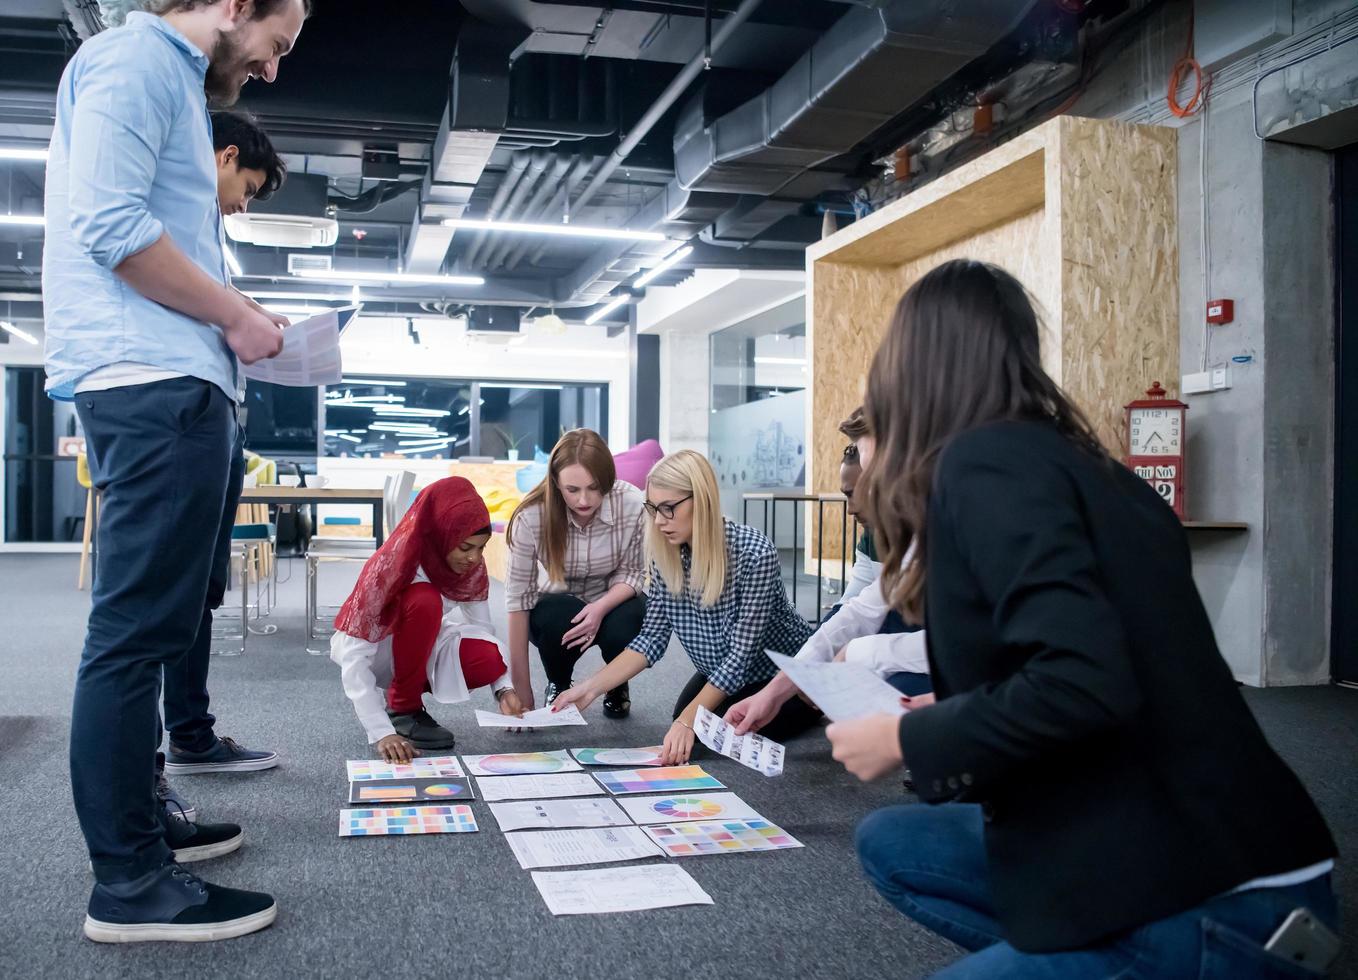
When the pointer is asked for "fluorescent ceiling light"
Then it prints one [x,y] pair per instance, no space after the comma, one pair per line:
[792,361]
[425,442]
[671,260]
[339,275]
[411,412]
[603,311]
[413,450]
[22,153]
[232,263]
[33,220]
[414,428]
[564,231]
[336,396]
[386,383]
[279,294]
[10,328]
[349,438]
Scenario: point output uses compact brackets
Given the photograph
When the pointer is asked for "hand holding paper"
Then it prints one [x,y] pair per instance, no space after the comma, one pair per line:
[842,691]
[311,354]
[754,751]
[541,718]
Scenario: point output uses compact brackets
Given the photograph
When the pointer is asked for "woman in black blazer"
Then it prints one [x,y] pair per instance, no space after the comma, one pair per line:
[1110,806]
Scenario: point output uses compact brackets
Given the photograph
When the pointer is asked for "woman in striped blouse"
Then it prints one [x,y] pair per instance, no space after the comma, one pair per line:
[585,527]
[719,586]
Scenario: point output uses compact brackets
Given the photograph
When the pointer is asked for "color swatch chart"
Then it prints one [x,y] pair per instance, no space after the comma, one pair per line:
[410,790]
[521,763]
[430,767]
[386,820]
[688,806]
[720,837]
[667,779]
[648,756]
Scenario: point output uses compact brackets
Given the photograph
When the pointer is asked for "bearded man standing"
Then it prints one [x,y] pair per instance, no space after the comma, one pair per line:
[146,336]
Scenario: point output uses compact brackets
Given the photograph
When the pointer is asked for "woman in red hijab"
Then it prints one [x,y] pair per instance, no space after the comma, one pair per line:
[418,621]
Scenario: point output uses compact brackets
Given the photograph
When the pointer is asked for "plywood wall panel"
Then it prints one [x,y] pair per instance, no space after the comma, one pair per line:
[1120,260]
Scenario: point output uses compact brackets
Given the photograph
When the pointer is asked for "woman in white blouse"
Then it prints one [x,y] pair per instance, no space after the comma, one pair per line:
[585,528]
[418,622]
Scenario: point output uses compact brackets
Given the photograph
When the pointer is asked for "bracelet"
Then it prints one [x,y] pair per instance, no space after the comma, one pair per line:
[680,721]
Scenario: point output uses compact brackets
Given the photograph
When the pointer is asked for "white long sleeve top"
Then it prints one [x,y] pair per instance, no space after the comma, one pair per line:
[366,667]
[856,626]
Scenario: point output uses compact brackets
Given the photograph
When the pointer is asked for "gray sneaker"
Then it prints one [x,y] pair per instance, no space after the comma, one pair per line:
[421,728]
[176,807]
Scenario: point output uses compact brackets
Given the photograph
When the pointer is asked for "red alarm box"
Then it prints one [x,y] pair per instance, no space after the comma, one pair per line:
[1157,443]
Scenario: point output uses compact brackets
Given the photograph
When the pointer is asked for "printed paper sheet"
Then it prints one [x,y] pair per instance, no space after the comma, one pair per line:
[843,691]
[558,814]
[753,751]
[536,787]
[541,718]
[563,848]
[604,890]
[310,355]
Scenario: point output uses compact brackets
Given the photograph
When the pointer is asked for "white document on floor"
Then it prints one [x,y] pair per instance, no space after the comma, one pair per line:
[842,691]
[753,751]
[541,718]
[563,848]
[546,786]
[555,814]
[603,890]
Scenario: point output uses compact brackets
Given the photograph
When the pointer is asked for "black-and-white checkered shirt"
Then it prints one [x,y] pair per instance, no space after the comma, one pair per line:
[726,642]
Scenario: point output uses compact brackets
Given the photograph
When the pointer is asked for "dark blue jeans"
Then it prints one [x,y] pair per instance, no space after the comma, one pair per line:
[162,457]
[930,862]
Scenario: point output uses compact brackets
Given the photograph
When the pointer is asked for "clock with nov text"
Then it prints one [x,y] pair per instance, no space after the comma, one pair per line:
[1157,443]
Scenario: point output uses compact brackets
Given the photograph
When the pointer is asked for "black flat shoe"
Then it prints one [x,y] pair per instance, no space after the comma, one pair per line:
[618,702]
[421,729]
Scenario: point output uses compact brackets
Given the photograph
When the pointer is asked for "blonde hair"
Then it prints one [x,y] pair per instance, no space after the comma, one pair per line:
[587,448]
[687,472]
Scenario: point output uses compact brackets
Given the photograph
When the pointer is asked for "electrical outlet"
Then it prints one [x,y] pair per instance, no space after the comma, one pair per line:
[1217,378]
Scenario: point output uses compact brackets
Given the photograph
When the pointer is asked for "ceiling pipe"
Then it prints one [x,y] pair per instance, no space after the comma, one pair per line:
[556,208]
[671,95]
[551,179]
[518,165]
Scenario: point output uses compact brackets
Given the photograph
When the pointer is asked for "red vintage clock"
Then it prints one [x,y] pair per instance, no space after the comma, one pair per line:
[1157,443]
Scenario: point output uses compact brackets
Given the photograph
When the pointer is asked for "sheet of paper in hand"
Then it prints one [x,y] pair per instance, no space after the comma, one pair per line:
[541,718]
[842,691]
[754,751]
[311,353]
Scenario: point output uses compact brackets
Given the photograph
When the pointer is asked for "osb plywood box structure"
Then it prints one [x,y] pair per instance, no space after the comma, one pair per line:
[1082,211]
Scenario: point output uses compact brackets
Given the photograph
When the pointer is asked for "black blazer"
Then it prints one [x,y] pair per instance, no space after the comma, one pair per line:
[1083,701]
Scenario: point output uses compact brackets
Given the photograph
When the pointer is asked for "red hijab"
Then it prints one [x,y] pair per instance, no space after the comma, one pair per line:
[445,514]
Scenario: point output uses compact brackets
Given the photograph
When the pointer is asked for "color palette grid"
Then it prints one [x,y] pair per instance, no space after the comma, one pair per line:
[429,767]
[667,779]
[720,837]
[389,820]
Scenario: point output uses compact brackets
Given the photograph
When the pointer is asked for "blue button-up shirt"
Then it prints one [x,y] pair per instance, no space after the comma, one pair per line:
[726,642]
[131,159]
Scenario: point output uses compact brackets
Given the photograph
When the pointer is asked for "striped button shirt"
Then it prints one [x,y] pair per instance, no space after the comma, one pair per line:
[726,642]
[605,553]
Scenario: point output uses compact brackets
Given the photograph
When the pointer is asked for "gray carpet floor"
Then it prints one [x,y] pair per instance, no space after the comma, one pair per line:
[459,904]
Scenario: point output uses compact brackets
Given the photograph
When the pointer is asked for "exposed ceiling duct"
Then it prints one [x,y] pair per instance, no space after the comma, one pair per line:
[869,67]
[850,83]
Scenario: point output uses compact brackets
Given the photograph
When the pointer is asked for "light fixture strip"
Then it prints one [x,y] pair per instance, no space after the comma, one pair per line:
[11,329]
[606,309]
[671,260]
[27,220]
[398,278]
[562,230]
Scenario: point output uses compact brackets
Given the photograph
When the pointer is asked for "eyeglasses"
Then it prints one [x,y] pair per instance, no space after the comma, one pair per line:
[665,510]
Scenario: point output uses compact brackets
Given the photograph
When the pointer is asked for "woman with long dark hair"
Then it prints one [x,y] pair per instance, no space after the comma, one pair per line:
[1109,805]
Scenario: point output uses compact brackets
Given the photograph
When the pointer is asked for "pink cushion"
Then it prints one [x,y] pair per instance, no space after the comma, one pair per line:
[635,464]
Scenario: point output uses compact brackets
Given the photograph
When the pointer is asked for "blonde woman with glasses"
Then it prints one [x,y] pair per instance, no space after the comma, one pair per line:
[719,586]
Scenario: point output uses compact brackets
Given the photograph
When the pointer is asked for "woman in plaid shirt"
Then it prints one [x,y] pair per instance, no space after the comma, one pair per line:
[719,586]
[584,527]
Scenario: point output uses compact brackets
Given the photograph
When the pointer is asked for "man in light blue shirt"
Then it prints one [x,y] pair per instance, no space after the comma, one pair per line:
[144,333]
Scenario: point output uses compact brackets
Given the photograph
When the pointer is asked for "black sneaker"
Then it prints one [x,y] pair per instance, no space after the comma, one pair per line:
[172,905]
[421,729]
[550,694]
[175,805]
[201,841]
[618,702]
